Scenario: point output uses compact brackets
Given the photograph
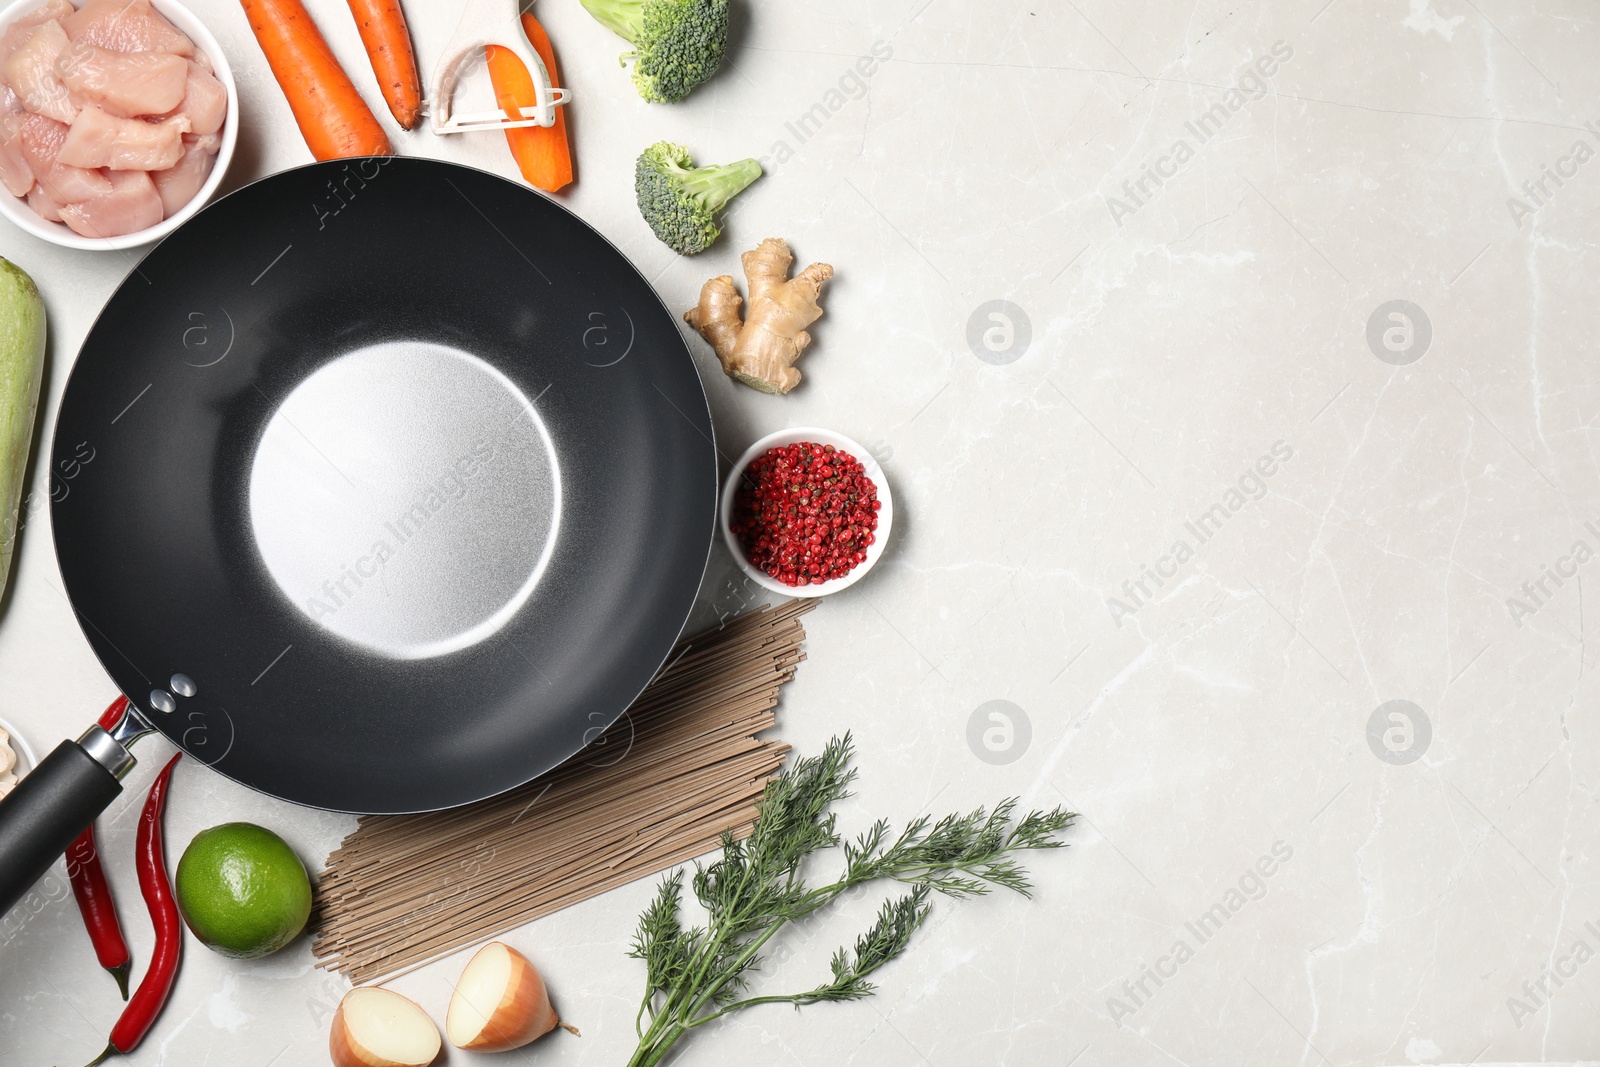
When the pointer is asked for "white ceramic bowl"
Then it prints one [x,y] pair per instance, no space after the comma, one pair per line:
[25,758]
[19,212]
[821,437]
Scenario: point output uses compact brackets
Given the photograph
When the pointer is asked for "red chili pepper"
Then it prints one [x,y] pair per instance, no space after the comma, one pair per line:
[93,892]
[151,857]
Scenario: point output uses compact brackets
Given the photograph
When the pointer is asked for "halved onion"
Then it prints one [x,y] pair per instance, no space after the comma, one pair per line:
[379,1028]
[500,1002]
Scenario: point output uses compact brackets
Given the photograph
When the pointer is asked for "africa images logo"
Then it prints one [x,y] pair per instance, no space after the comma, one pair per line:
[1140,190]
[1251,486]
[1540,590]
[1250,886]
[1541,189]
[451,486]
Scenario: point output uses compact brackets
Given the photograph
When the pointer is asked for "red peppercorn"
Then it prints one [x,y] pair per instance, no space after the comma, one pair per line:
[803,513]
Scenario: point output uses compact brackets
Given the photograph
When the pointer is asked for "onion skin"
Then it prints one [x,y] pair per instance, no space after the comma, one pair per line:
[524,1013]
[339,1049]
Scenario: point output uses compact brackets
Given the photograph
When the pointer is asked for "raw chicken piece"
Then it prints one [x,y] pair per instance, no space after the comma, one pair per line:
[55,9]
[15,173]
[9,104]
[126,26]
[126,83]
[44,205]
[41,140]
[31,72]
[97,139]
[132,205]
[71,184]
[15,36]
[205,101]
[21,29]
[179,183]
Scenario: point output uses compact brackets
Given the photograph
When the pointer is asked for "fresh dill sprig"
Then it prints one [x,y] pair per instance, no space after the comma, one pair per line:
[755,888]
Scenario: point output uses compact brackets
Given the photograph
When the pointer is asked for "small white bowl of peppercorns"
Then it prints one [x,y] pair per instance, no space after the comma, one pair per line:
[806,512]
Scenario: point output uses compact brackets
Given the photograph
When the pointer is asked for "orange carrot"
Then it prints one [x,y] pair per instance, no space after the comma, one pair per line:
[388,43]
[333,118]
[543,153]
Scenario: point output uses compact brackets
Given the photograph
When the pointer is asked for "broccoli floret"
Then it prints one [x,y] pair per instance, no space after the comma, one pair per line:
[680,201]
[677,43]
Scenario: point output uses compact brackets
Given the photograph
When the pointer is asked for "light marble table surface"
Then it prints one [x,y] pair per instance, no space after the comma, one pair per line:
[1234,369]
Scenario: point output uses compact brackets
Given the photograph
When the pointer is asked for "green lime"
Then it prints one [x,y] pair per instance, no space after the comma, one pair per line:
[242,890]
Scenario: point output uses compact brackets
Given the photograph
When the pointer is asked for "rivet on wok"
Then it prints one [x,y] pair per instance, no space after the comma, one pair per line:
[183,685]
[162,700]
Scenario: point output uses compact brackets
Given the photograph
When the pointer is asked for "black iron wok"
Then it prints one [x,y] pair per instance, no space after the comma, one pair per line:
[380,486]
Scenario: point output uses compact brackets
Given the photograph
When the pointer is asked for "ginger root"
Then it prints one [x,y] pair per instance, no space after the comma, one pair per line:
[761,350]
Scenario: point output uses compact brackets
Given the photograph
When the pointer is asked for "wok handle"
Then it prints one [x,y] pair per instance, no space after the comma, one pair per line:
[52,804]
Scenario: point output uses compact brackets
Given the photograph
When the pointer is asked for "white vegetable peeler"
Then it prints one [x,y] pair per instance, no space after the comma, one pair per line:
[483,22]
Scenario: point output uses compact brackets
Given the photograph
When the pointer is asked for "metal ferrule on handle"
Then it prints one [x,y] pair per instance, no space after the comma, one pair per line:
[107,751]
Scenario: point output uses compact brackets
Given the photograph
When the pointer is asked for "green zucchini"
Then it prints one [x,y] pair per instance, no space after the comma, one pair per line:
[21,365]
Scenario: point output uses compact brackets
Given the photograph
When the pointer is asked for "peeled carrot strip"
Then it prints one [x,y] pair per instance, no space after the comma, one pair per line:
[543,153]
[388,43]
[333,118]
